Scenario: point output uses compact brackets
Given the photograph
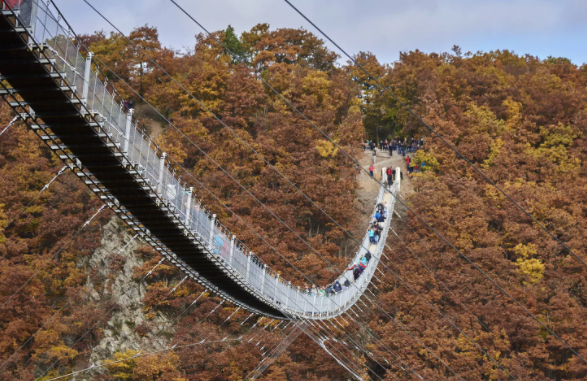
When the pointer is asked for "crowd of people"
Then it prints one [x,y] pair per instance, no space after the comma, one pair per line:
[401,146]
[374,232]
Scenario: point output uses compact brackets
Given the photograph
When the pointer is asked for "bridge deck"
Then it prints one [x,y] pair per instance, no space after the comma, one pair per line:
[84,123]
[70,124]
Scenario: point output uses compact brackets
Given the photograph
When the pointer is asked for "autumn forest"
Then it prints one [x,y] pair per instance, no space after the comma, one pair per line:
[472,286]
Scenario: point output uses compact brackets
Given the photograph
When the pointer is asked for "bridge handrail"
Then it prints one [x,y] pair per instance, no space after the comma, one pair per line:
[144,156]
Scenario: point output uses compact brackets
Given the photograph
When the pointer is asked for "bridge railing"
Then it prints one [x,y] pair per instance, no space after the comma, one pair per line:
[143,156]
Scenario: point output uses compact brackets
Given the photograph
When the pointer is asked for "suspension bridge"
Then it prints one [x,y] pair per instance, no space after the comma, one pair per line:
[58,92]
[53,84]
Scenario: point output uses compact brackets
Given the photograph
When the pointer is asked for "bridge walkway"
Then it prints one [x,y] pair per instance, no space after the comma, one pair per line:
[56,90]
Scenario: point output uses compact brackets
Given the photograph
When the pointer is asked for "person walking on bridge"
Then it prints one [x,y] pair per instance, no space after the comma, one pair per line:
[371,169]
[371,233]
[389,173]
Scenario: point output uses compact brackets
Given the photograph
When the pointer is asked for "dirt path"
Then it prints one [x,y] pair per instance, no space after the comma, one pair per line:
[368,188]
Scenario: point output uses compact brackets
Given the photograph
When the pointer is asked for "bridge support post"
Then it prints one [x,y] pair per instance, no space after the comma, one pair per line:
[34,17]
[277,295]
[231,250]
[248,267]
[314,303]
[87,70]
[161,172]
[287,296]
[397,178]
[297,293]
[127,131]
[212,226]
[188,208]
[263,277]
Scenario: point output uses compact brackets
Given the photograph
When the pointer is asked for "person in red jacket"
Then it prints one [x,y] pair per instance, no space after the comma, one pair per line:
[371,169]
[12,3]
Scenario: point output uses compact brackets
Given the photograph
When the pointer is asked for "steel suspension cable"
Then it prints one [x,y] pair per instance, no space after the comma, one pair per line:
[261,364]
[321,341]
[10,124]
[326,336]
[268,361]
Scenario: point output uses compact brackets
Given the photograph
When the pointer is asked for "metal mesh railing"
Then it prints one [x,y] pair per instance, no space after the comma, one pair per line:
[144,156]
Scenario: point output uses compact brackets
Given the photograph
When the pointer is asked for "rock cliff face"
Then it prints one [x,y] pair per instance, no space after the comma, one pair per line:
[115,260]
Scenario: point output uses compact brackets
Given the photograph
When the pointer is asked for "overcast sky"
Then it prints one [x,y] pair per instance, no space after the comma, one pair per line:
[538,27]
